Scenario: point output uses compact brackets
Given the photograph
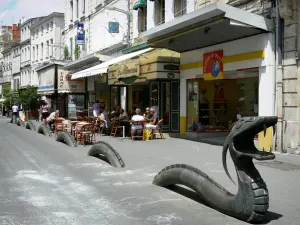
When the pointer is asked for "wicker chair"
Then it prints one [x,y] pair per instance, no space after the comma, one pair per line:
[158,130]
[137,132]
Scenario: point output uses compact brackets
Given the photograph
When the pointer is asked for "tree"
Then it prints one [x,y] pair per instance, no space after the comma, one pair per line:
[66,53]
[10,97]
[29,98]
[77,52]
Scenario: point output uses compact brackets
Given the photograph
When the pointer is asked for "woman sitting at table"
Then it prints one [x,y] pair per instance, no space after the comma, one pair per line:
[102,117]
[152,120]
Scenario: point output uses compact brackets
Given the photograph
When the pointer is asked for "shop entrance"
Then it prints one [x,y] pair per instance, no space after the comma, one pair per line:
[164,96]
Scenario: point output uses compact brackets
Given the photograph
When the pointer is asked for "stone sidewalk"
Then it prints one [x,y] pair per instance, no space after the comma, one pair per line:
[281,175]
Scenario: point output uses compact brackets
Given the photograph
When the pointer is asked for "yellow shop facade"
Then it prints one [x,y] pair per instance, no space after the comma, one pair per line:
[226,68]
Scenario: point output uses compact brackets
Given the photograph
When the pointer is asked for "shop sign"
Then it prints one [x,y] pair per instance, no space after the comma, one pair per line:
[113,27]
[213,65]
[46,79]
[80,34]
[67,85]
[128,70]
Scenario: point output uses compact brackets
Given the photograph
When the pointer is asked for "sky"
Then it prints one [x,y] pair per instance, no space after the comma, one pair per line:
[11,11]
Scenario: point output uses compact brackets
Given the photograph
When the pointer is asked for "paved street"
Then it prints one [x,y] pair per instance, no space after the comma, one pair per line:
[44,182]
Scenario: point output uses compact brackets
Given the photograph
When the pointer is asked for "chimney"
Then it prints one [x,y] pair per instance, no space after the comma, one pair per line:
[16,32]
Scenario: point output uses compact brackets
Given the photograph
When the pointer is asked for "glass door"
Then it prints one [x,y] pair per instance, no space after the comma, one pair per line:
[123,98]
[154,96]
[175,113]
[166,104]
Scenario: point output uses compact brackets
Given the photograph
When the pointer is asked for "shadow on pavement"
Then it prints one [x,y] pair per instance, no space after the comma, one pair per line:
[188,193]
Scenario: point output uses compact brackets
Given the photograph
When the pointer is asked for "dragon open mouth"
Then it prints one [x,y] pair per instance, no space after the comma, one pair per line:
[242,136]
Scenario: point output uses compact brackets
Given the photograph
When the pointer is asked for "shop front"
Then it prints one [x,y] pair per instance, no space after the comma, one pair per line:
[61,92]
[46,84]
[70,95]
[222,77]
[151,80]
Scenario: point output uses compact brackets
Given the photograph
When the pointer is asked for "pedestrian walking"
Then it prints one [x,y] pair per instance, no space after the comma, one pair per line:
[15,110]
[96,108]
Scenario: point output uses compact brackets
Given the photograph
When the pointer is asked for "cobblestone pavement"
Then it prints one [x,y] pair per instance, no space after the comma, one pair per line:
[46,182]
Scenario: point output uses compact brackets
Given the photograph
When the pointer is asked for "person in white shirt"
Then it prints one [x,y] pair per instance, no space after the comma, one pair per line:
[52,117]
[137,118]
[15,110]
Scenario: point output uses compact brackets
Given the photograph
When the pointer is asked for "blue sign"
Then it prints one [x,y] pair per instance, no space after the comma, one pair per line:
[80,34]
[113,27]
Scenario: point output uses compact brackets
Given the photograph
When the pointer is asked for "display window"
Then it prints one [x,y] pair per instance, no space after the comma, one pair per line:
[75,105]
[214,105]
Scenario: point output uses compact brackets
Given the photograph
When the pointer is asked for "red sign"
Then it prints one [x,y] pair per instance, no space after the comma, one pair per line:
[213,65]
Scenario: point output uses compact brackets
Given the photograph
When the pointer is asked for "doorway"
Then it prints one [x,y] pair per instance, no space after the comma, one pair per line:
[164,95]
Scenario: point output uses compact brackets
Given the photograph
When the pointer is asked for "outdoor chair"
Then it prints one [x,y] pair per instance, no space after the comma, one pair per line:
[86,134]
[138,132]
[115,128]
[158,130]
[58,125]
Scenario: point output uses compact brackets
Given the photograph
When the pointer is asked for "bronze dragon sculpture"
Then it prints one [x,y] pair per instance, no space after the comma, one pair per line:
[252,199]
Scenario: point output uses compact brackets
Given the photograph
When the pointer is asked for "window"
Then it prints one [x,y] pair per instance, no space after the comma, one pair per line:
[142,19]
[179,8]
[71,11]
[37,53]
[47,28]
[42,51]
[33,53]
[71,47]
[77,9]
[25,55]
[47,50]
[51,47]
[37,33]
[50,26]
[159,12]
[28,58]
[83,10]
[42,30]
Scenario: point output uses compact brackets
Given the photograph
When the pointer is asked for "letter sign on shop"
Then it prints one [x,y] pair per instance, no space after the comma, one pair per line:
[213,65]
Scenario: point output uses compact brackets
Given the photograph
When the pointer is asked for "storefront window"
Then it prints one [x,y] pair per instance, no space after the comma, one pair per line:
[215,105]
[75,105]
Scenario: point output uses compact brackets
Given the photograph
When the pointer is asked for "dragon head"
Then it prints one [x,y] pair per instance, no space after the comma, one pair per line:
[240,140]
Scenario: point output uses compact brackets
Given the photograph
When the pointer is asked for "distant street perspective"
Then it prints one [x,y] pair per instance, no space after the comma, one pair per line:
[156,112]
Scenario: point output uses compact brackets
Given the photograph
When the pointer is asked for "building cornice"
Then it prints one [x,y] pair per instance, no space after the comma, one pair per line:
[46,19]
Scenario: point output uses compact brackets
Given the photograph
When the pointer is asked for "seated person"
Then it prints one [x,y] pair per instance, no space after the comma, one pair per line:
[123,118]
[137,118]
[102,117]
[147,113]
[123,115]
[153,120]
[51,118]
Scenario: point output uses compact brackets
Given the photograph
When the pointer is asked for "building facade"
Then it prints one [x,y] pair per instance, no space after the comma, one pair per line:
[267,60]
[16,67]
[96,31]
[25,65]
[45,42]
[10,36]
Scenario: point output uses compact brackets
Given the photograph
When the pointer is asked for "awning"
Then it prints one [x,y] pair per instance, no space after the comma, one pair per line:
[214,24]
[139,4]
[102,68]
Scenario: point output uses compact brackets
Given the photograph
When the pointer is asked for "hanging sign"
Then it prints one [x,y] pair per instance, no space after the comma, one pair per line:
[80,33]
[113,27]
[213,65]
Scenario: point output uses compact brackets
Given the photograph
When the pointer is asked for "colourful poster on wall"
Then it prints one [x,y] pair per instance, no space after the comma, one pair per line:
[213,65]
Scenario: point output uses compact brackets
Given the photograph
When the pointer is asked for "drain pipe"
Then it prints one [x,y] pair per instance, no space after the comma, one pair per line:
[278,140]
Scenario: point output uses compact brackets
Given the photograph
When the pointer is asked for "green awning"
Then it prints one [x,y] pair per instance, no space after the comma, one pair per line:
[139,4]
[128,80]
